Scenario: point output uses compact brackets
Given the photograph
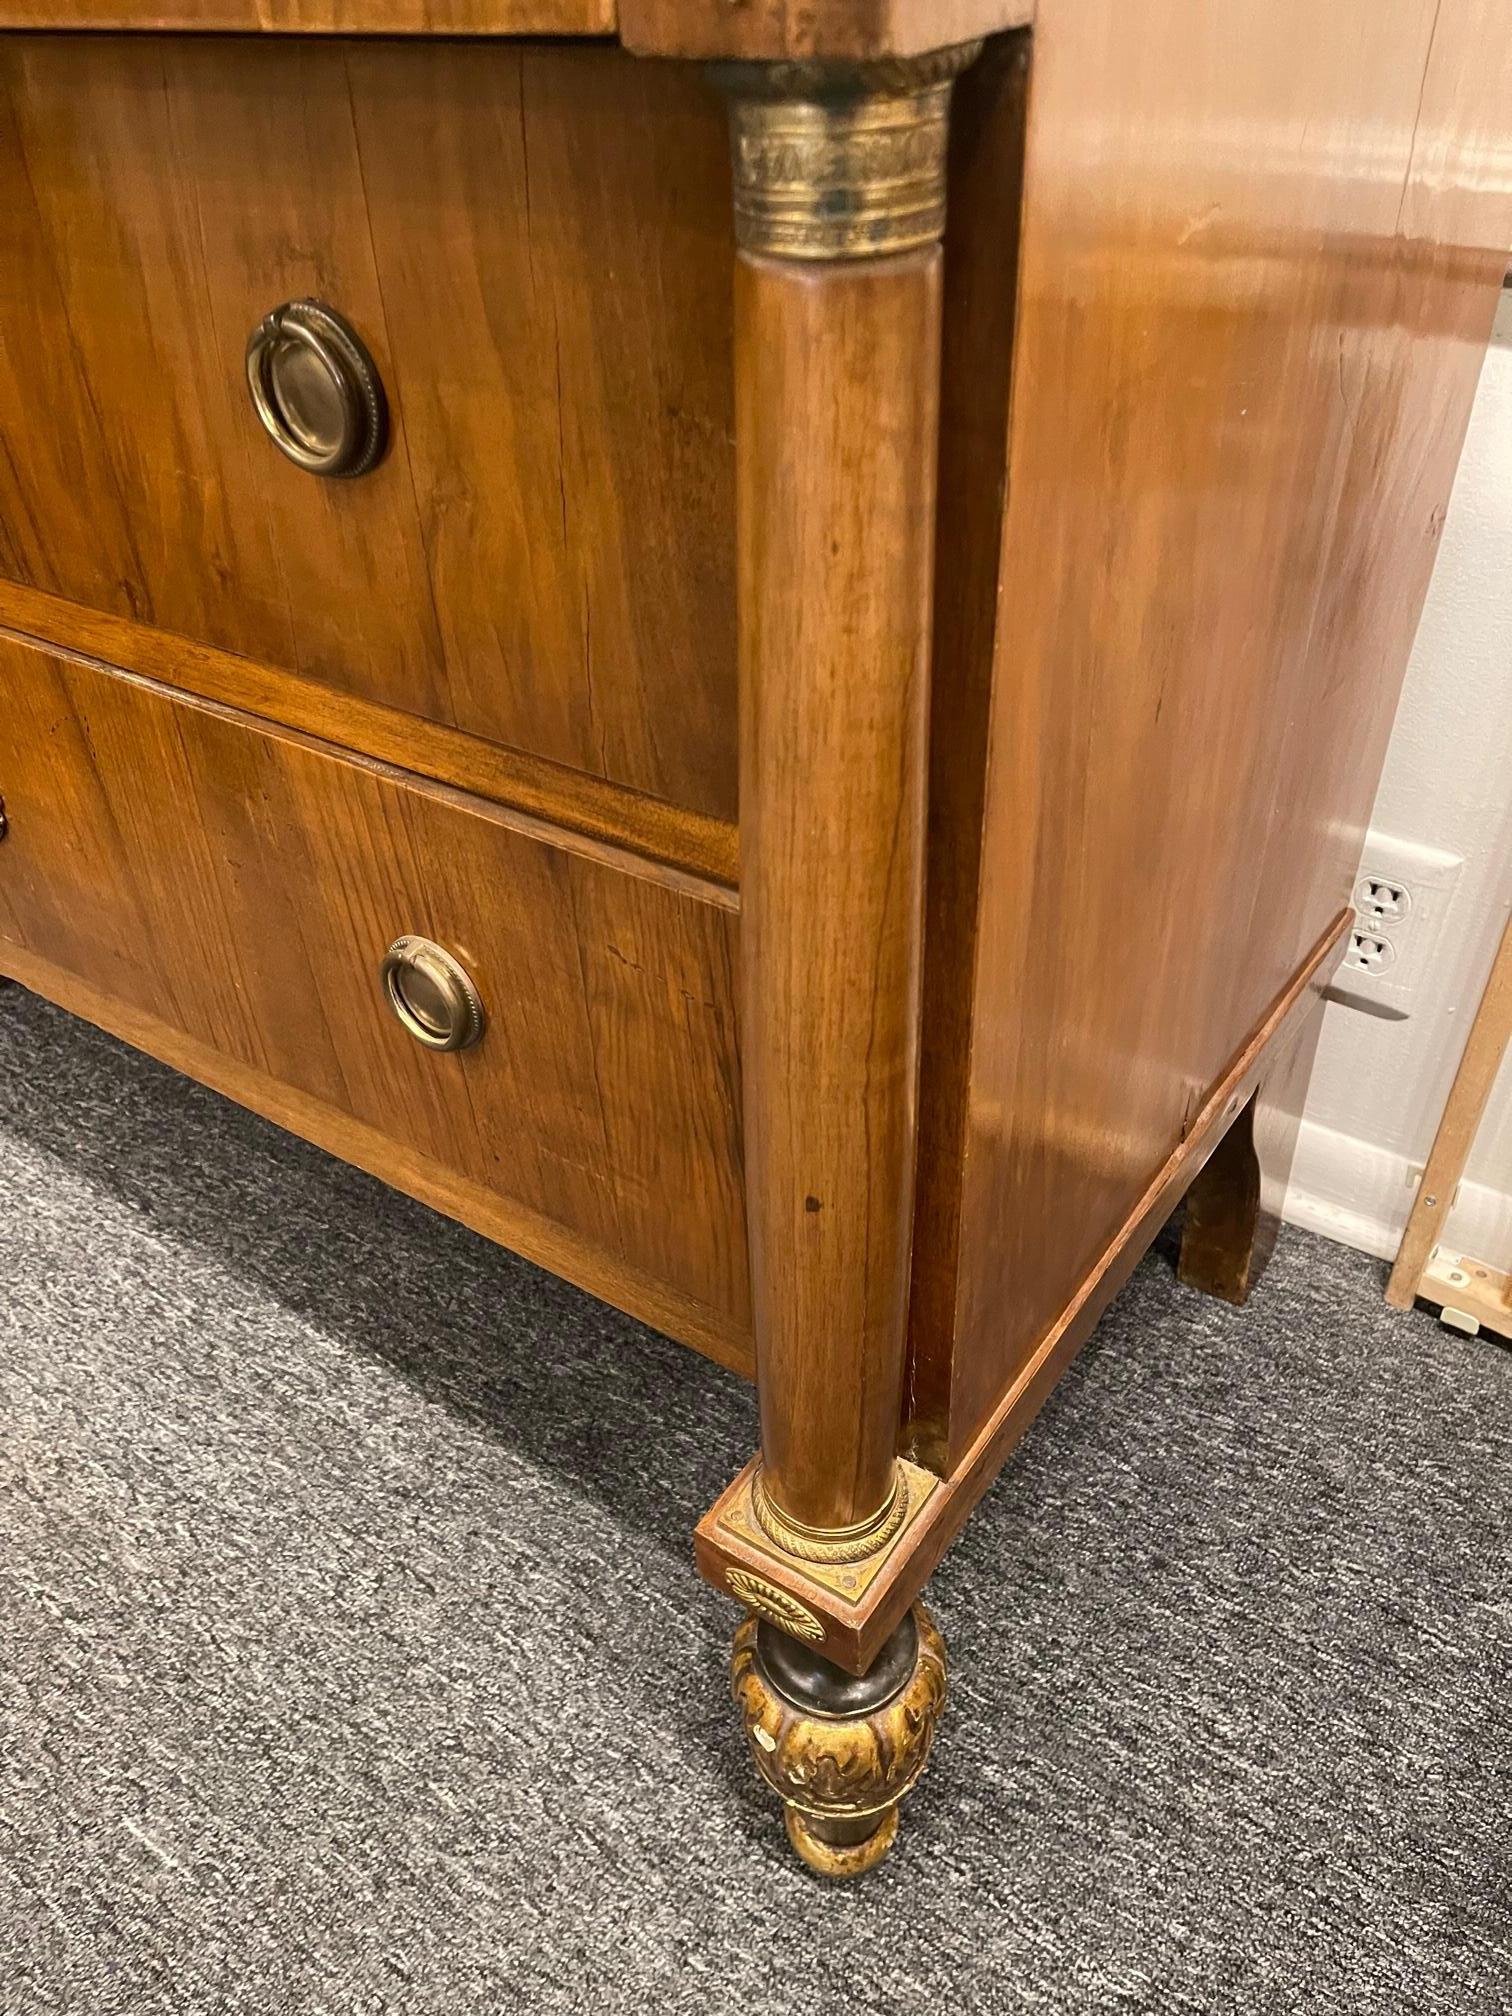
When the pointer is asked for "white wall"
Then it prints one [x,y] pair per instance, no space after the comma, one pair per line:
[1379,1086]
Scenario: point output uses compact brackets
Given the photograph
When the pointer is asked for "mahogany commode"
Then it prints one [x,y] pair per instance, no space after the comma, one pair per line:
[747,646]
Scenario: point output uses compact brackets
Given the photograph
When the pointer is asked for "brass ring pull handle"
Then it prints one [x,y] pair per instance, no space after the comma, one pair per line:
[432,996]
[317,391]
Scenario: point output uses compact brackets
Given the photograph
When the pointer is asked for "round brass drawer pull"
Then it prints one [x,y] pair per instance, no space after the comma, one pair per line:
[316,390]
[432,995]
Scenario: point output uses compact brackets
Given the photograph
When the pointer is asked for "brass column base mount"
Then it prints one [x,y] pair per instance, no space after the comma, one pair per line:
[808,1579]
[840,1751]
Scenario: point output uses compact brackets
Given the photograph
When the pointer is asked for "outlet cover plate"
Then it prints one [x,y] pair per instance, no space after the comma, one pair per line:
[1428,876]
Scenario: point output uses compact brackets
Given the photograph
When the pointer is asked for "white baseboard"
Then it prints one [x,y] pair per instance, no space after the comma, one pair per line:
[1359,1195]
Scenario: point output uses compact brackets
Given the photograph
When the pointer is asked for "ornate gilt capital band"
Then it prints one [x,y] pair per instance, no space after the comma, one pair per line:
[841,160]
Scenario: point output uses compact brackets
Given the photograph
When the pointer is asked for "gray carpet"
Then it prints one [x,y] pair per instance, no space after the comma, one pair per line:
[353,1661]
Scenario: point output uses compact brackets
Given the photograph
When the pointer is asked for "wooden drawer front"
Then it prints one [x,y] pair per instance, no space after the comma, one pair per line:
[534,244]
[242,885]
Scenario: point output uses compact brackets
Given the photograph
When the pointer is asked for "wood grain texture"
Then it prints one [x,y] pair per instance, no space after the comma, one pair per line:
[763,30]
[240,885]
[1471,1296]
[320,17]
[837,369]
[533,242]
[482,1209]
[577,807]
[855,1632]
[1254,294]
[981,291]
[1474,1081]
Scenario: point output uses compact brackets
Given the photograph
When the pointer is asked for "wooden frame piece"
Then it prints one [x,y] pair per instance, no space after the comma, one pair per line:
[317,17]
[571,802]
[1459,1284]
[1470,1295]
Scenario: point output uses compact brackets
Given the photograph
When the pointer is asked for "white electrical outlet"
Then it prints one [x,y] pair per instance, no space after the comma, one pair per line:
[1401,897]
[1370,953]
[1382,902]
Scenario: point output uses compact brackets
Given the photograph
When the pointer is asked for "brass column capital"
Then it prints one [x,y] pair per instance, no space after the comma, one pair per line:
[832,1543]
[841,160]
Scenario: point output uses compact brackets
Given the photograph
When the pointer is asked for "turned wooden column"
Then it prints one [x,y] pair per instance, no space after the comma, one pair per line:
[840,207]
[839,202]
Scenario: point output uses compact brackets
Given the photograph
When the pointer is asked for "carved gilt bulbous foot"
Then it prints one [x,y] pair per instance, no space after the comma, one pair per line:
[840,1751]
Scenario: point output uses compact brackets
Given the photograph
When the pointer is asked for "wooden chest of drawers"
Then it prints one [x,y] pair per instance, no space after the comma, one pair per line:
[761,679]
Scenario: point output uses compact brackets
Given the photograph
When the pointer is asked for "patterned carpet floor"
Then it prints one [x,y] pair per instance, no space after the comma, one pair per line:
[352,1659]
